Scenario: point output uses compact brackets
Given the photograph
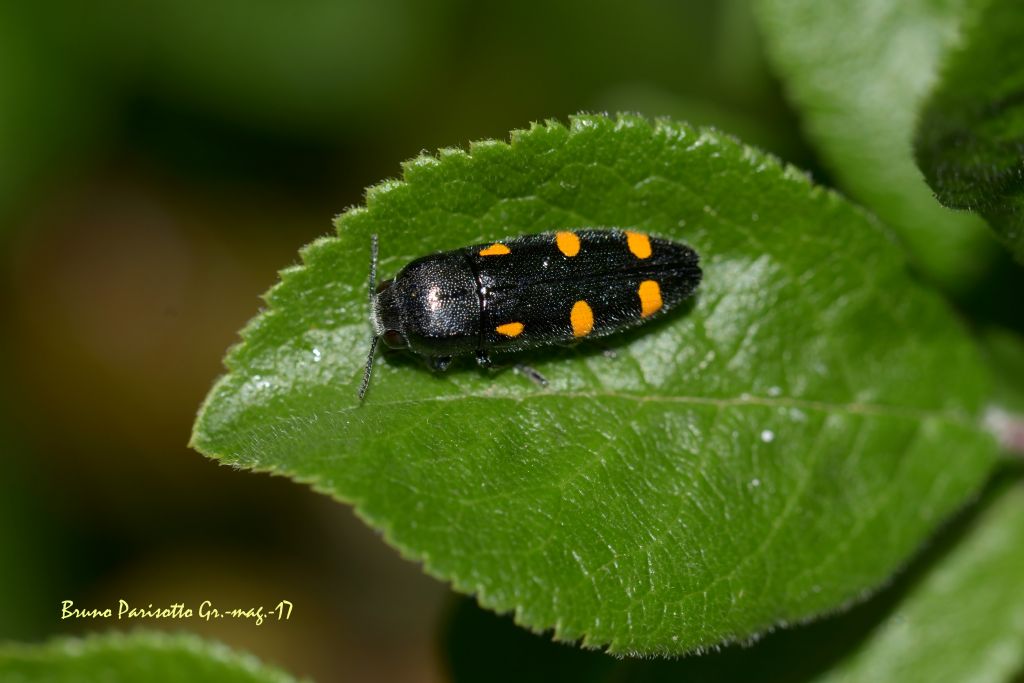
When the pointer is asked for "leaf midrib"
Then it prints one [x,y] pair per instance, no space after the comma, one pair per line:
[853,408]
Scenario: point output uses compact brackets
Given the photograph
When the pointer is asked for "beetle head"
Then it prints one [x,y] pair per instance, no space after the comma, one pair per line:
[386,316]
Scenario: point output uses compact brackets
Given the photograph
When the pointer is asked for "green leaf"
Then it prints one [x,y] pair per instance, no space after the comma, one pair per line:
[858,73]
[1004,350]
[970,139]
[959,616]
[129,658]
[964,620]
[772,453]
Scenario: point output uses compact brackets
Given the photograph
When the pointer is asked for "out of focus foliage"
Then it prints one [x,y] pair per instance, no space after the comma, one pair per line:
[160,161]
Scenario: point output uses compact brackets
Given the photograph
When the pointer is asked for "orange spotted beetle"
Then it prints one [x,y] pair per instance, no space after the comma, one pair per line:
[528,291]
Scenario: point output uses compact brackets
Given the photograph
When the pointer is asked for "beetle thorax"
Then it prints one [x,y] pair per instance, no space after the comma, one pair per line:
[385,314]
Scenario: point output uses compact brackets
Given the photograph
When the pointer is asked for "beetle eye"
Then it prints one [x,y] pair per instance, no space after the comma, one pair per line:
[395,339]
[381,286]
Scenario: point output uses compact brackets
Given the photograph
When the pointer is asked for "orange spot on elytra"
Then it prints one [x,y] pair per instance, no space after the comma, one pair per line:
[650,297]
[510,329]
[582,319]
[496,249]
[639,244]
[568,243]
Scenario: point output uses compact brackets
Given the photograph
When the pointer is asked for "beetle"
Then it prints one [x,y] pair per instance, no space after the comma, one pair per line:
[527,291]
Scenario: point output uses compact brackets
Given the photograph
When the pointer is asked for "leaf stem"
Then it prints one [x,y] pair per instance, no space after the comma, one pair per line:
[1008,428]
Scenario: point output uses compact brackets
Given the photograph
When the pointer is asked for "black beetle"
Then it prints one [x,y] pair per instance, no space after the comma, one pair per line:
[527,291]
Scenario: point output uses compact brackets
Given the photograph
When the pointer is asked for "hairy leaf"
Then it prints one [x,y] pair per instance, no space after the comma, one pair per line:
[965,619]
[129,658]
[957,616]
[773,452]
[970,138]
[858,73]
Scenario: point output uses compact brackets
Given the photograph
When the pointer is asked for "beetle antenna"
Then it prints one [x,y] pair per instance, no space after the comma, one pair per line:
[369,367]
[373,342]
[373,265]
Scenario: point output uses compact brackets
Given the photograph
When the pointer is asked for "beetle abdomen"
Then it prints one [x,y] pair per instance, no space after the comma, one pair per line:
[572,285]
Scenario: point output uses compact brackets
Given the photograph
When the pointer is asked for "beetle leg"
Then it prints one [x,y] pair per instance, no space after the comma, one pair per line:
[485,362]
[531,374]
[439,363]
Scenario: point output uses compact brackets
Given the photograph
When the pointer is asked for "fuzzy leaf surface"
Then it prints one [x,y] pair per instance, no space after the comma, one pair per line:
[773,452]
[970,138]
[858,73]
[965,588]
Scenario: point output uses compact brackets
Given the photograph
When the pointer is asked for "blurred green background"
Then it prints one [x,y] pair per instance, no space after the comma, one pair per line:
[159,162]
